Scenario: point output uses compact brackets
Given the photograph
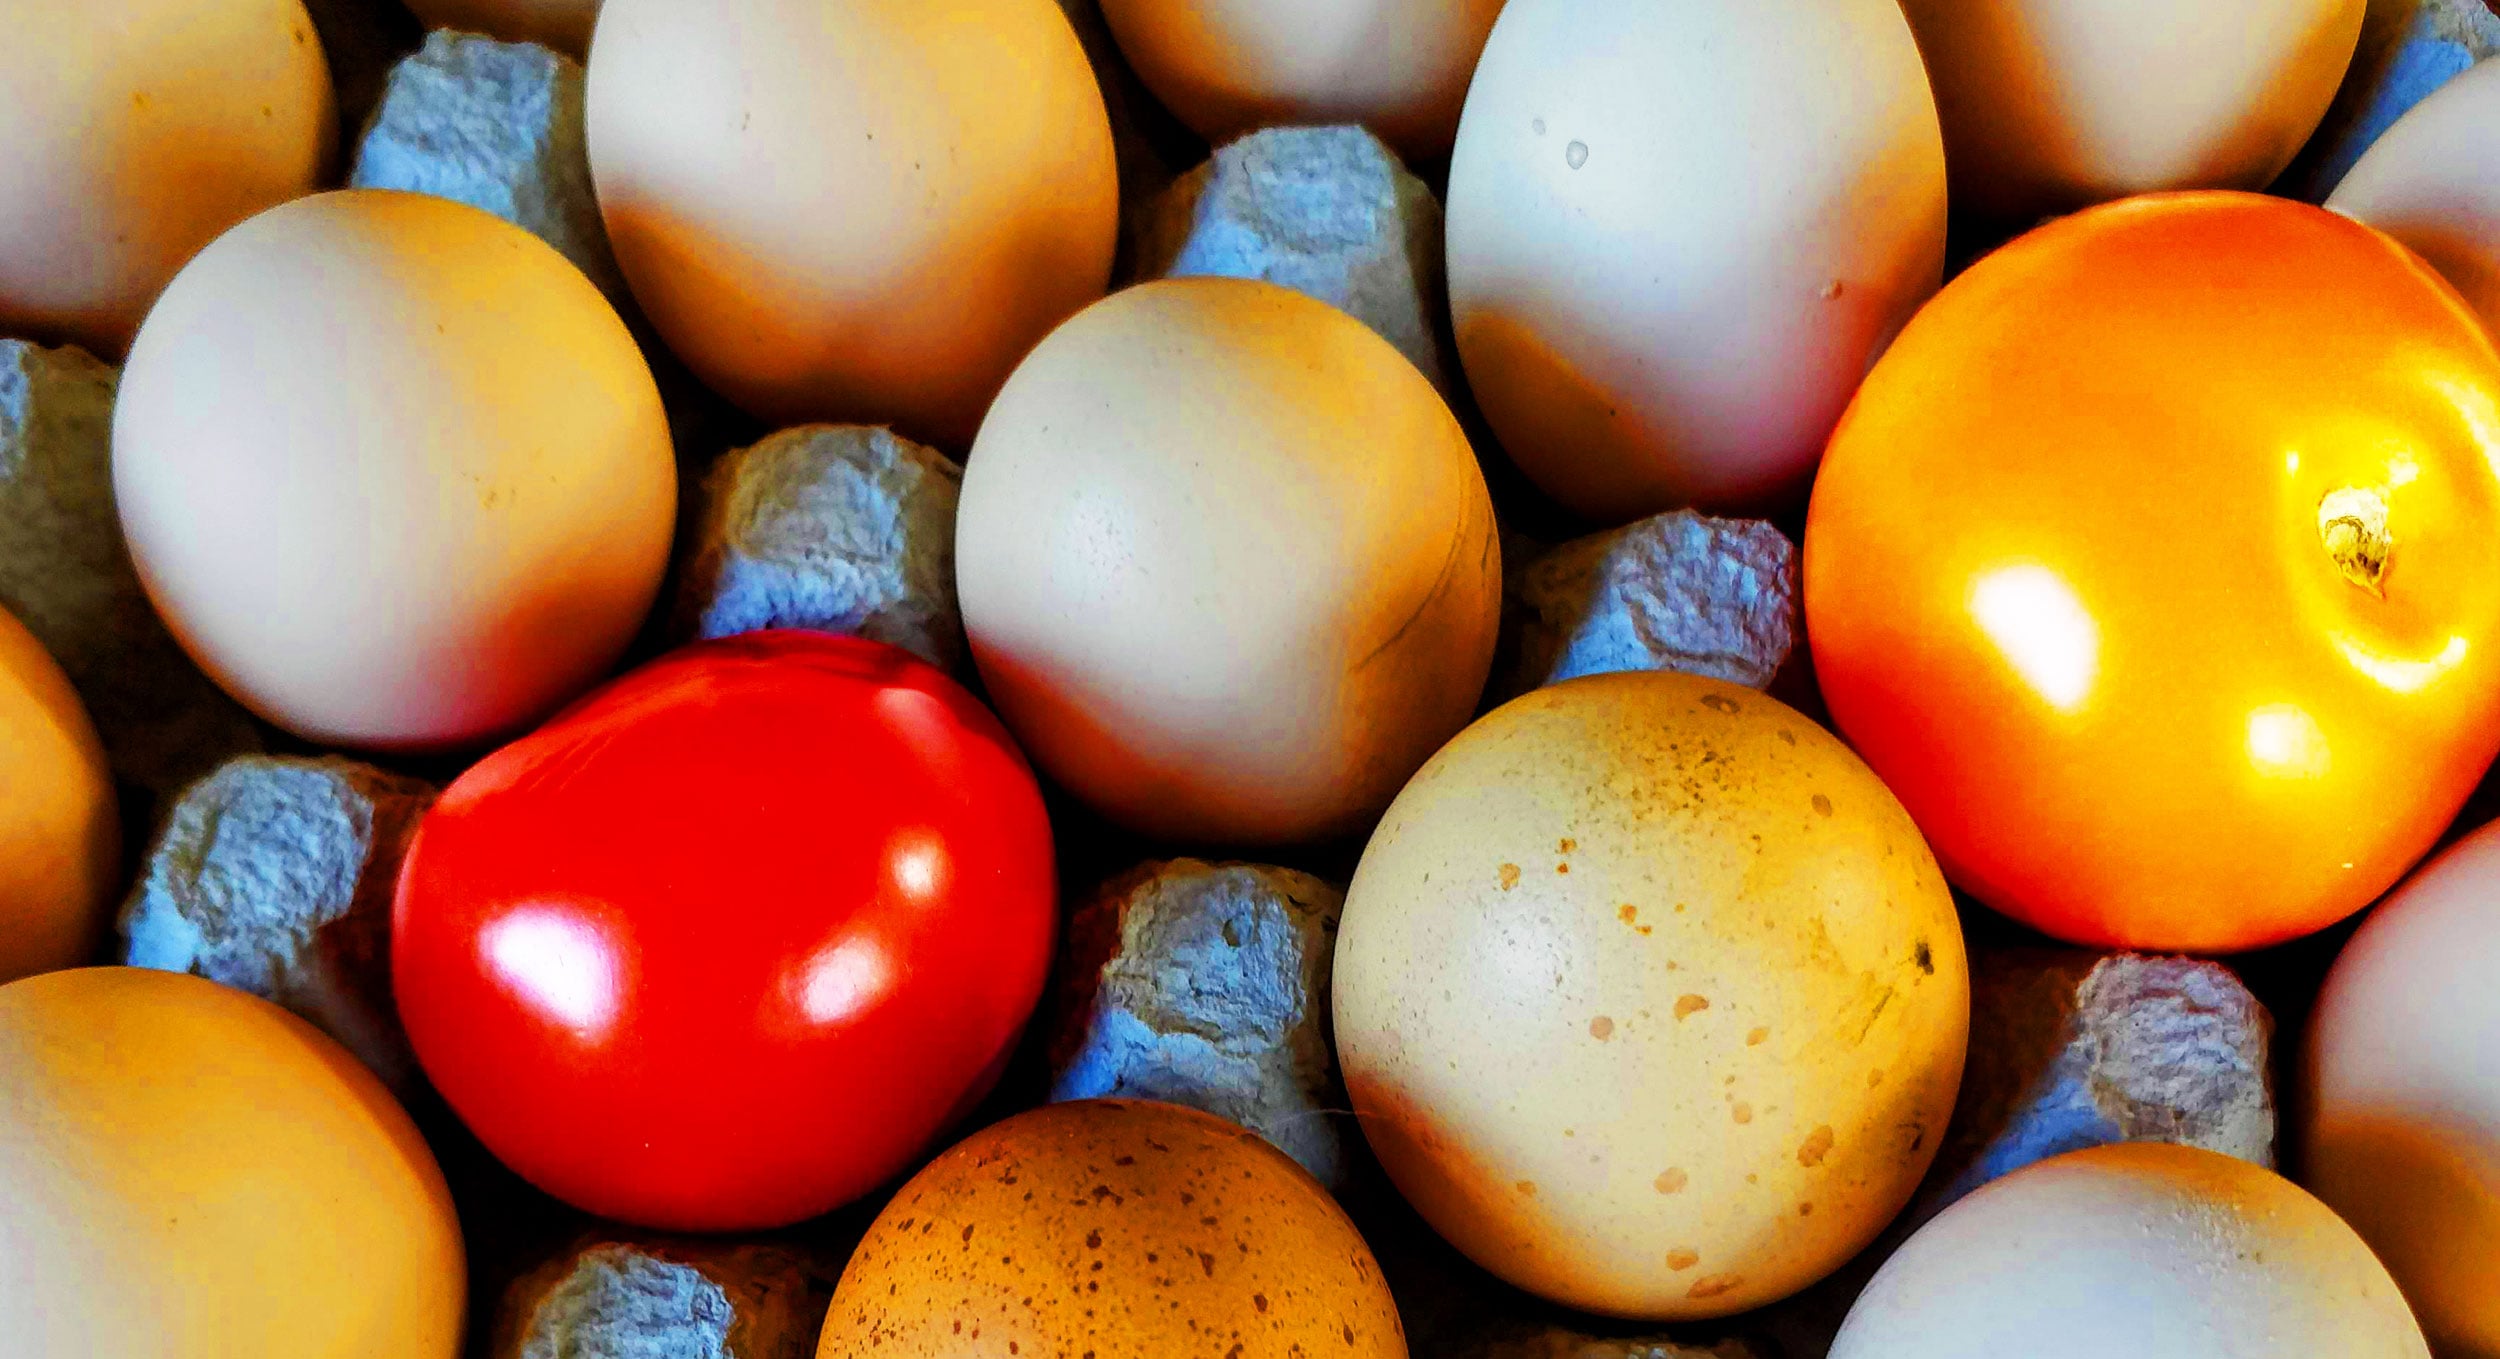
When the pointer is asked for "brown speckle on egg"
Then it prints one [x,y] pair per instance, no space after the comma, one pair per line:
[1686,1006]
[1670,1180]
[1818,1144]
[1601,1028]
[1683,1257]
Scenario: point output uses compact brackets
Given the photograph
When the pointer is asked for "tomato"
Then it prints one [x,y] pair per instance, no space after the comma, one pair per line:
[732,940]
[2157,569]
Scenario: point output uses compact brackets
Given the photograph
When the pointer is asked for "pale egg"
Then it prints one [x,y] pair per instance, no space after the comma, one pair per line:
[2433,182]
[1679,233]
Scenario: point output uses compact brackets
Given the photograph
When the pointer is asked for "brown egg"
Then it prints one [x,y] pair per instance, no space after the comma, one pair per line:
[188,1170]
[1650,997]
[60,832]
[855,210]
[2054,105]
[135,131]
[1399,67]
[561,24]
[1113,1228]
[393,471]
[1227,563]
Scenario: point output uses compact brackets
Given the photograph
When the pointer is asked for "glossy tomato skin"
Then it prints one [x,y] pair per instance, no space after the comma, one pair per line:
[729,942]
[2088,571]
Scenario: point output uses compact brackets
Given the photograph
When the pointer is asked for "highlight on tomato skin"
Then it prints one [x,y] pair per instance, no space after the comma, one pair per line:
[2156,568]
[734,939]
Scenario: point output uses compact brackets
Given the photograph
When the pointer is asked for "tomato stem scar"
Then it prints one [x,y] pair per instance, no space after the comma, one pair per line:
[2352,525]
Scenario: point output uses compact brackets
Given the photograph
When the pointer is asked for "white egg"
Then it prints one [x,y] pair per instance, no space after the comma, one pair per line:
[2144,1250]
[1678,234]
[2433,182]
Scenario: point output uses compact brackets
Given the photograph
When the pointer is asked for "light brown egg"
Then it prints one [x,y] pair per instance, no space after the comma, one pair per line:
[1650,998]
[2430,182]
[2402,1109]
[1679,234]
[2142,1249]
[188,1170]
[2054,105]
[1112,1228]
[60,831]
[561,24]
[1227,563]
[1399,67]
[134,132]
[853,210]
[393,471]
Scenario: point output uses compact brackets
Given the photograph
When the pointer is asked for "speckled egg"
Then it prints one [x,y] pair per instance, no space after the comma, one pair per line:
[2402,1108]
[60,831]
[1112,1228]
[189,1170]
[1650,997]
[2141,1249]
[131,134]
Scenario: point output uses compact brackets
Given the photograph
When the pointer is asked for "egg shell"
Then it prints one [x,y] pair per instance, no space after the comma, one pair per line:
[1227,563]
[2430,182]
[2053,105]
[1678,234]
[2401,1114]
[186,1169]
[1650,998]
[857,211]
[60,829]
[561,24]
[2142,1249]
[1229,67]
[393,471]
[137,130]
[1113,1227]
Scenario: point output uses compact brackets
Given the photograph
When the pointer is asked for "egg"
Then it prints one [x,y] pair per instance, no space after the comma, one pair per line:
[2429,182]
[2148,1250]
[2401,1115]
[1650,998]
[393,471]
[135,132]
[1112,1227]
[1678,234]
[60,830]
[186,1169]
[561,24]
[853,210]
[2053,105]
[1399,67]
[1227,563]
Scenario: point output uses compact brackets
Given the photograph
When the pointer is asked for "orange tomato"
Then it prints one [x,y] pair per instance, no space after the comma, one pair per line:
[2157,570]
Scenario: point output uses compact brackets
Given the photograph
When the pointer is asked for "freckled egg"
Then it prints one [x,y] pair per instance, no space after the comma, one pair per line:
[393,471]
[2402,1114]
[2053,105]
[2430,183]
[1678,234]
[134,132]
[854,210]
[1112,1227]
[1650,998]
[560,24]
[186,1169]
[60,831]
[1227,563]
[1399,67]
[2141,1249]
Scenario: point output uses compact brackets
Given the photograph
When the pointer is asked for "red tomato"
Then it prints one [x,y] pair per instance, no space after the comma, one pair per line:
[729,942]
